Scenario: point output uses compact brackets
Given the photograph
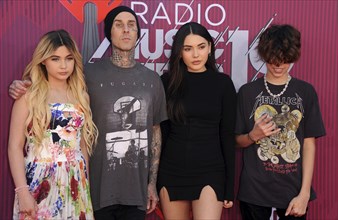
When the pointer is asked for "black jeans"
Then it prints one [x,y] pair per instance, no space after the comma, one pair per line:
[255,212]
[120,212]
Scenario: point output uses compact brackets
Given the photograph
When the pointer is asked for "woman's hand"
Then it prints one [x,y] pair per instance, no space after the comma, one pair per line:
[27,205]
[228,204]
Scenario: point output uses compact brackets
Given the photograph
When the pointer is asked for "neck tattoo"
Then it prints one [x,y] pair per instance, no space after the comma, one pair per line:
[123,59]
[279,94]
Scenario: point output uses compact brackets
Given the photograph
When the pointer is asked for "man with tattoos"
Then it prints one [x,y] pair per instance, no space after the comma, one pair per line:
[128,104]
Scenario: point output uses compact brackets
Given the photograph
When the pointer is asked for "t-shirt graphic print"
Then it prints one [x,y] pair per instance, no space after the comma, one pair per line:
[127,147]
[284,144]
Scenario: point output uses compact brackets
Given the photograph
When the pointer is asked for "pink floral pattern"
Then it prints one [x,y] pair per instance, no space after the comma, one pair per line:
[57,177]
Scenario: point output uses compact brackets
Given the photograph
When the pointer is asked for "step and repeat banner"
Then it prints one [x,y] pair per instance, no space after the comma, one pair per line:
[234,24]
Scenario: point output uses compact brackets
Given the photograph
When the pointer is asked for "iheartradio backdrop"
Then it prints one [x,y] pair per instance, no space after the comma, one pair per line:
[235,26]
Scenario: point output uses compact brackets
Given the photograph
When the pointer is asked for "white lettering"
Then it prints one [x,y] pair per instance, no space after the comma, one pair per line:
[156,16]
[199,12]
[100,50]
[169,40]
[155,50]
[138,13]
[190,12]
[223,14]
[178,21]
[158,39]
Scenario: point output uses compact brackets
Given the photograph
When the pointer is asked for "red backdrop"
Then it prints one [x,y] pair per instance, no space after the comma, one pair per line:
[234,25]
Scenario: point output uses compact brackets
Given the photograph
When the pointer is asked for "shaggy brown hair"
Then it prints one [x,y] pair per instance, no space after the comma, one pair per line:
[279,44]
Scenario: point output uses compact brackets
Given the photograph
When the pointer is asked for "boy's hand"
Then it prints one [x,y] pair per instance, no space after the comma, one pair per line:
[297,206]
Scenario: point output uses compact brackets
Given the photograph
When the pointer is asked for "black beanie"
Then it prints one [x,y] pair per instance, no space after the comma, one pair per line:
[109,19]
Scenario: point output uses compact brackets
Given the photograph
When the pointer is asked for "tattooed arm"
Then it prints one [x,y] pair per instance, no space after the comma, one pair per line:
[155,153]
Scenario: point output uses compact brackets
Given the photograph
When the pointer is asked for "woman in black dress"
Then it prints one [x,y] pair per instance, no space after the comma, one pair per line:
[197,163]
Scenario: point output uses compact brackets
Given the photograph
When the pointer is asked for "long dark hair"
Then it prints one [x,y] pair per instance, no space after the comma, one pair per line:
[177,68]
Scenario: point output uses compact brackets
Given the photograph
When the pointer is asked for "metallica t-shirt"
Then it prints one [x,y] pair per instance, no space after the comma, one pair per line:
[272,167]
[126,103]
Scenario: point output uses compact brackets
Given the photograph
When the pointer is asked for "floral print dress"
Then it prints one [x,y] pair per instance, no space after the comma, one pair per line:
[57,178]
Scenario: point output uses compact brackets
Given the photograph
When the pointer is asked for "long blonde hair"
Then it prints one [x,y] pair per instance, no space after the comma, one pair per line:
[39,116]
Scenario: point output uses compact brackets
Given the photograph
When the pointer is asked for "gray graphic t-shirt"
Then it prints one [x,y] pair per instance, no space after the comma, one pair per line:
[126,103]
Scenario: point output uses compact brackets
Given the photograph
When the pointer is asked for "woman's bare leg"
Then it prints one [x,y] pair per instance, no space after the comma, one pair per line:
[207,207]
[174,210]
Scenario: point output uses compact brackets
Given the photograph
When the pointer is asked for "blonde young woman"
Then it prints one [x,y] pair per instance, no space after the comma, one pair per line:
[52,135]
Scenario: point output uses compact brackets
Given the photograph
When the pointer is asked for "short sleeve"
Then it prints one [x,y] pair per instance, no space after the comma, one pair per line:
[313,122]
